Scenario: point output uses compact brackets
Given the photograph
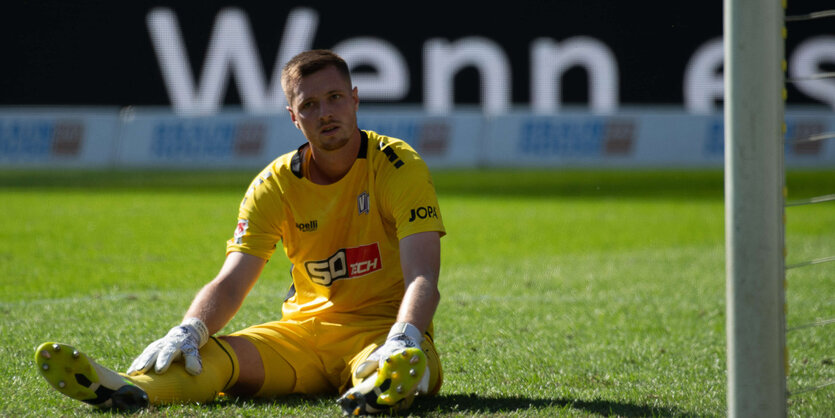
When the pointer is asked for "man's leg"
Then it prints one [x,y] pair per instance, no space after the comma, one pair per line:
[251,374]
[75,375]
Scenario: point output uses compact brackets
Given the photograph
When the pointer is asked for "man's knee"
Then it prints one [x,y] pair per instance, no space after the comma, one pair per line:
[433,361]
[251,367]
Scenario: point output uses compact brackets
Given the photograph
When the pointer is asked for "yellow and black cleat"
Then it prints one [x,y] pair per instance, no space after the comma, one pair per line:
[70,372]
[393,387]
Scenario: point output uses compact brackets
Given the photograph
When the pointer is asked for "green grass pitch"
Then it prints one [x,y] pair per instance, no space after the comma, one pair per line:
[565,293]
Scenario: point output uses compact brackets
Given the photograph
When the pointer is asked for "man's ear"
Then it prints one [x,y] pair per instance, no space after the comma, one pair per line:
[356,97]
[293,118]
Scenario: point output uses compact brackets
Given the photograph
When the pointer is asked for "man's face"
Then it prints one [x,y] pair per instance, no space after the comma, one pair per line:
[324,107]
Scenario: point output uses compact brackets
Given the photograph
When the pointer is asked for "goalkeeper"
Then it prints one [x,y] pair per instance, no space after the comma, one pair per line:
[357,215]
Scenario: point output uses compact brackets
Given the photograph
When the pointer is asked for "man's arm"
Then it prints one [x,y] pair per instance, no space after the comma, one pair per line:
[212,308]
[219,300]
[420,258]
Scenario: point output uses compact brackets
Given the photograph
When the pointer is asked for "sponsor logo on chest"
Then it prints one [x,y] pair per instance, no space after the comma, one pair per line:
[309,226]
[346,263]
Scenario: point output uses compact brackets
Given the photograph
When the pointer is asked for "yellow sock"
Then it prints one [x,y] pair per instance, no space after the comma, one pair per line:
[220,372]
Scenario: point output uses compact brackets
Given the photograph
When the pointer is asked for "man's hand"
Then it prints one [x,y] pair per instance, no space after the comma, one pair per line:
[391,376]
[375,360]
[181,342]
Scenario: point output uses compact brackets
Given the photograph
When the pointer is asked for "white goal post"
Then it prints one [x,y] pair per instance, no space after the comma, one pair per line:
[754,207]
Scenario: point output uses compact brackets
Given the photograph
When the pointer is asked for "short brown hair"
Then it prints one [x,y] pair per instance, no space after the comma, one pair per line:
[307,63]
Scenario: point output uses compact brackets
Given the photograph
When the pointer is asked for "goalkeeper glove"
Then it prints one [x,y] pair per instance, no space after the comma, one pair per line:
[181,342]
[391,376]
[403,335]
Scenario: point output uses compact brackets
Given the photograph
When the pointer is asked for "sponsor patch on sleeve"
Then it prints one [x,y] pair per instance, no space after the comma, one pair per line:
[240,230]
[423,212]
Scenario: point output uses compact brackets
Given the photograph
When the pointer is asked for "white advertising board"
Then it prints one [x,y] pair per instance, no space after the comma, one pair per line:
[651,139]
[227,140]
[58,138]
[157,138]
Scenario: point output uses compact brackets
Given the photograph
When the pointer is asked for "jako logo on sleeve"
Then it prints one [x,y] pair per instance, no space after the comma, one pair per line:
[423,212]
[347,263]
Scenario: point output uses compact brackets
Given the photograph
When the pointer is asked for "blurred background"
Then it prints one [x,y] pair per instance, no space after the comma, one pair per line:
[593,83]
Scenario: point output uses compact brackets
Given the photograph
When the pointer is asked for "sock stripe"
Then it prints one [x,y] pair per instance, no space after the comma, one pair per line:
[231,360]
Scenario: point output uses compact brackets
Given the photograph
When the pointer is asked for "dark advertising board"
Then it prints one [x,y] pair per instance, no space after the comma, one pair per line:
[541,55]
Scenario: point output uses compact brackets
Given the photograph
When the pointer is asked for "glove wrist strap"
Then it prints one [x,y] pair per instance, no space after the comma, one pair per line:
[200,327]
[406,329]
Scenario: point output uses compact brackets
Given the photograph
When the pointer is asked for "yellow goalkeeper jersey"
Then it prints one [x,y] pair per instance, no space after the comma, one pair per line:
[342,238]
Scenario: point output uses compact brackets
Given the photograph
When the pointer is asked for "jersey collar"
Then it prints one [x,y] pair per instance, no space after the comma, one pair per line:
[296,161]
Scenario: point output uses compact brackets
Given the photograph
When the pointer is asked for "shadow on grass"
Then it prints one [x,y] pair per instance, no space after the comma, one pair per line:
[473,404]
[477,405]
[456,404]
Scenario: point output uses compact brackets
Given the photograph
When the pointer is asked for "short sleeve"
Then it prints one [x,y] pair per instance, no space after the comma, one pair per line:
[258,229]
[408,195]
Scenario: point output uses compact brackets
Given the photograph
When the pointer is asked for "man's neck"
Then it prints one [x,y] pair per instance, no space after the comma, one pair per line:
[327,167]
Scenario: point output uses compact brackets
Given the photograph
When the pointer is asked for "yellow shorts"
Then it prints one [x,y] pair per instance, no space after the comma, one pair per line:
[314,356]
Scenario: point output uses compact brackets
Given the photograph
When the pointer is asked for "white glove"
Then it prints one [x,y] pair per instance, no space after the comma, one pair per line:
[181,342]
[402,335]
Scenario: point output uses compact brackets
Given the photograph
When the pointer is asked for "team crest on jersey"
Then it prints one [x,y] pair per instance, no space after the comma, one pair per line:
[240,230]
[363,202]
